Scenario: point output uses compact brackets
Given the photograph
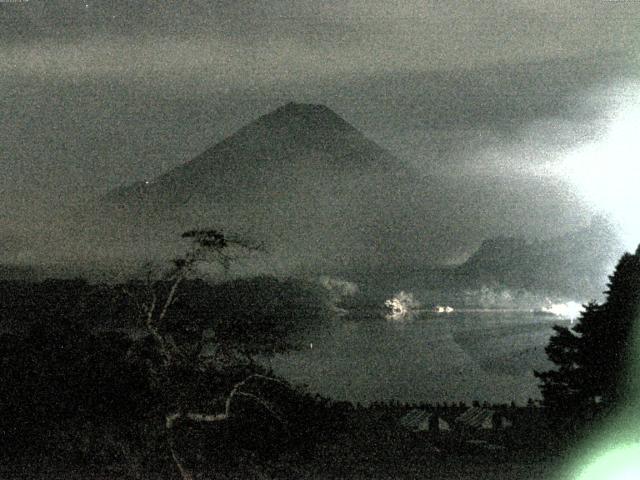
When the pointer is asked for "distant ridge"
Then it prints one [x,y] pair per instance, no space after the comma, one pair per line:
[576,263]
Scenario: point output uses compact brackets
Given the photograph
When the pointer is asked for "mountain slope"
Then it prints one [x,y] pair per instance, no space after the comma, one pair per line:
[300,177]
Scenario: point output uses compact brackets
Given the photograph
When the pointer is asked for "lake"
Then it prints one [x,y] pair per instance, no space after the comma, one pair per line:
[432,357]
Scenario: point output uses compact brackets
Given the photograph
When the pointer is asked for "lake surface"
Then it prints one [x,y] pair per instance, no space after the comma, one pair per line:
[431,357]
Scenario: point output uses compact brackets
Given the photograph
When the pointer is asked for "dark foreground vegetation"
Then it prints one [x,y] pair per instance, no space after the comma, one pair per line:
[78,403]
[157,379]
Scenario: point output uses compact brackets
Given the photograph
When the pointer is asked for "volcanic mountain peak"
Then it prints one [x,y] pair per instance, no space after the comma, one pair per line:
[306,112]
[304,125]
[293,142]
[288,134]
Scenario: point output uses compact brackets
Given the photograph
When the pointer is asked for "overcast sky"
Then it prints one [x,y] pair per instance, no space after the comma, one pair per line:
[95,94]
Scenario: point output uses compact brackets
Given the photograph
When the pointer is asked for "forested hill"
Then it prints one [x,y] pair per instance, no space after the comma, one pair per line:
[575,264]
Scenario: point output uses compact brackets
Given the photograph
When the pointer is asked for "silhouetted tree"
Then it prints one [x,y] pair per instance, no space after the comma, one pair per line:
[76,388]
[592,358]
[175,361]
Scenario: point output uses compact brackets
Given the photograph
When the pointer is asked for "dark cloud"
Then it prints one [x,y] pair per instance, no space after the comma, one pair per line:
[352,36]
[92,135]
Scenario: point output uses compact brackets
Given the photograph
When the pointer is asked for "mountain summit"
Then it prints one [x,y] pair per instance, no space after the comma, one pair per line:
[313,125]
[291,142]
[297,128]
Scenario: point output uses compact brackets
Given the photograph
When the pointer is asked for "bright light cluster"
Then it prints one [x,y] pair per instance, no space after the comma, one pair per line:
[396,307]
[570,310]
[443,309]
[401,306]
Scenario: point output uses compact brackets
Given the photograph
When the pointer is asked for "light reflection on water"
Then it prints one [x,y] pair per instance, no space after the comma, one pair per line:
[430,357]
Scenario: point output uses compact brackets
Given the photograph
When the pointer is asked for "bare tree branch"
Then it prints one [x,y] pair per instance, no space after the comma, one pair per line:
[205,417]
[266,406]
[170,298]
[207,245]
[239,385]
[185,474]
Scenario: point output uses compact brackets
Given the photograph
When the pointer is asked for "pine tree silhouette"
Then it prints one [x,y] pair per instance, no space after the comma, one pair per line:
[593,358]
